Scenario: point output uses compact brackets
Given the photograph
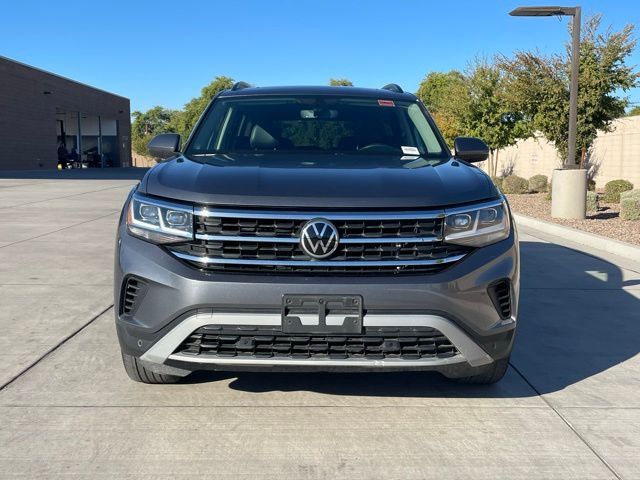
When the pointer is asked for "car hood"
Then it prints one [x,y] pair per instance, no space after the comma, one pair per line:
[319,181]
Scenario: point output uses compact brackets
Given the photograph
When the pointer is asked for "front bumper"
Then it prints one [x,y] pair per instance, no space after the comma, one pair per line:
[179,299]
[163,351]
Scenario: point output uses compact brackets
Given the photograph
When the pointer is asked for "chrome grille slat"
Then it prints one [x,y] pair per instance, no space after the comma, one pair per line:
[249,238]
[290,251]
[319,263]
[283,215]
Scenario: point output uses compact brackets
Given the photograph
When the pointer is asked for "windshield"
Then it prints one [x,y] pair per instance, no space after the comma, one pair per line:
[316,124]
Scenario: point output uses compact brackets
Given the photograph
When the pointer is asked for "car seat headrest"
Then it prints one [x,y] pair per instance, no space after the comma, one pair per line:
[261,139]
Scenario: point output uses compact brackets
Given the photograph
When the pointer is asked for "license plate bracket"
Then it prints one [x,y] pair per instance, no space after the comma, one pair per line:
[322,307]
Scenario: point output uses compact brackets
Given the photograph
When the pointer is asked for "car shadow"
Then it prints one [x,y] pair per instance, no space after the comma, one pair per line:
[76,174]
[383,384]
[578,316]
[575,321]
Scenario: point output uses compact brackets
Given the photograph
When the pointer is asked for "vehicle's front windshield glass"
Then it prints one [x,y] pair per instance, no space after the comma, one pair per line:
[315,124]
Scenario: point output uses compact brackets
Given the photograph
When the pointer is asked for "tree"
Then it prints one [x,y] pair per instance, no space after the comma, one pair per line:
[149,124]
[634,111]
[340,82]
[474,104]
[489,114]
[436,88]
[184,121]
[445,95]
[161,120]
[539,87]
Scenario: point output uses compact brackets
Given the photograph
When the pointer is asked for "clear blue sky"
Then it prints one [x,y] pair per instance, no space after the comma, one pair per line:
[163,53]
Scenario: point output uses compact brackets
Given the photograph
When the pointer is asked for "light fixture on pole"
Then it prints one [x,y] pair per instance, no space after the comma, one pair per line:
[569,183]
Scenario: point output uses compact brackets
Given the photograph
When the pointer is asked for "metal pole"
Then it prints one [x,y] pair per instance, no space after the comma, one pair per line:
[79,141]
[100,141]
[573,92]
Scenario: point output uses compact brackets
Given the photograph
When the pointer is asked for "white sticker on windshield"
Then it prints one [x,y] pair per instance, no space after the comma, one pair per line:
[410,150]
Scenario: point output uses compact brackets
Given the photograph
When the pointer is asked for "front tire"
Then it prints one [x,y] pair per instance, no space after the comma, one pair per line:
[137,372]
[492,374]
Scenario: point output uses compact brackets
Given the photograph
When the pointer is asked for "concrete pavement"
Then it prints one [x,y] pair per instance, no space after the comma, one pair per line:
[56,253]
[569,406]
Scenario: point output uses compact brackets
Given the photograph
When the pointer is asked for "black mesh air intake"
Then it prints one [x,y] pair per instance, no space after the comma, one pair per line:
[375,343]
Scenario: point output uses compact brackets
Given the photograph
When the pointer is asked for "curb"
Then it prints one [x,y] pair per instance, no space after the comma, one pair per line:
[599,242]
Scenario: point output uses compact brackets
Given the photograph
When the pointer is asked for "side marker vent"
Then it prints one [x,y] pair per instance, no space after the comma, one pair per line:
[500,293]
[132,292]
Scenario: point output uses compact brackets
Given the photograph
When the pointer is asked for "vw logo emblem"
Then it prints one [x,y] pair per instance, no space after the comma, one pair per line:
[319,238]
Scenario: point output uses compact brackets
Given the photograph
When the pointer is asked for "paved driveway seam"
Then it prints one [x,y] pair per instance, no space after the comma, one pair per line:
[226,405]
[55,347]
[568,423]
[66,196]
[562,417]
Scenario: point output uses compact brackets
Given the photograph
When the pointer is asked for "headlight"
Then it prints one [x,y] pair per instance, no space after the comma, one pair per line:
[158,221]
[477,226]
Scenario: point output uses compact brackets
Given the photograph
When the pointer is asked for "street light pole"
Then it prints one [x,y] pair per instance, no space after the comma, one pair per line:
[573,91]
[569,192]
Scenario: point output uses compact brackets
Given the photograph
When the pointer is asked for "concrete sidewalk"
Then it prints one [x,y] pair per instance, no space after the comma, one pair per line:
[569,406]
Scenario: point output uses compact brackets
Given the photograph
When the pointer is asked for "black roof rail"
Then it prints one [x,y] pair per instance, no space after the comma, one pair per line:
[240,85]
[393,87]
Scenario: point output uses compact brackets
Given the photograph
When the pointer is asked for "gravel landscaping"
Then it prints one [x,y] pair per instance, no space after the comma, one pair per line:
[606,221]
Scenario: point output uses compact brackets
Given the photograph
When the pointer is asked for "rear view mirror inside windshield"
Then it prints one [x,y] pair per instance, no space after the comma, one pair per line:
[319,113]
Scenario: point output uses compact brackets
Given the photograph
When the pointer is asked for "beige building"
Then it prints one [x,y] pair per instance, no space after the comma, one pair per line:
[615,155]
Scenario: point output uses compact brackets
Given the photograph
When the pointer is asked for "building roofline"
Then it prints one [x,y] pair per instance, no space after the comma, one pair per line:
[2,57]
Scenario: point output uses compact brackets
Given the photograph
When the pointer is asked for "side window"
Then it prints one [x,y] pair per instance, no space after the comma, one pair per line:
[208,132]
[221,133]
[424,129]
[241,128]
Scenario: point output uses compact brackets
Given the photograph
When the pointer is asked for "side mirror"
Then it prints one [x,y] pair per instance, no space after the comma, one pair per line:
[470,149]
[164,145]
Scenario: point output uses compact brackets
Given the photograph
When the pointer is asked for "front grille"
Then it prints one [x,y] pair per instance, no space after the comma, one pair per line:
[408,343]
[353,228]
[259,242]
[500,293]
[292,251]
[133,290]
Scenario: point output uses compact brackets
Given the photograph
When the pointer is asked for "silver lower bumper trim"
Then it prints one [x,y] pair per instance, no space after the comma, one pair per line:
[321,362]
[470,352]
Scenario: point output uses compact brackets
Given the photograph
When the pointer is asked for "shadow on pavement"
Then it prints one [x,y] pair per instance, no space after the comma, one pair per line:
[77,174]
[575,321]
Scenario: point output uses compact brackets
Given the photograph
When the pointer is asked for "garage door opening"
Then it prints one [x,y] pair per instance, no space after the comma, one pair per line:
[86,141]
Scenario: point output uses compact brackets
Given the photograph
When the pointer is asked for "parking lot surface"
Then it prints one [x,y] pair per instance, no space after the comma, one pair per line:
[569,406]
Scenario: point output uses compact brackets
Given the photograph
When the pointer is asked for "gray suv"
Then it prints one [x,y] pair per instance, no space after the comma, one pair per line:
[316,228]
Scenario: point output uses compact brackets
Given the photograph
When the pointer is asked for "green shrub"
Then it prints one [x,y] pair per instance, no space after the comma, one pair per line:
[497,181]
[591,185]
[592,201]
[614,188]
[630,205]
[630,194]
[538,183]
[515,184]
